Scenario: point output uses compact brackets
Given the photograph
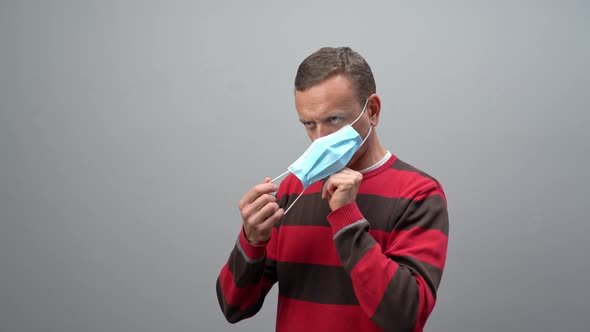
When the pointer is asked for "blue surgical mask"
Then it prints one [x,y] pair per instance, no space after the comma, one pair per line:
[327,155]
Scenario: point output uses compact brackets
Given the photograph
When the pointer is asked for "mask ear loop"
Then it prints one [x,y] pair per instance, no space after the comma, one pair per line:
[280,176]
[358,117]
[368,134]
[296,199]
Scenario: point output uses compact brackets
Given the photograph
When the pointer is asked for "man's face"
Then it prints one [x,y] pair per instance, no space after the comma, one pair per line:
[328,106]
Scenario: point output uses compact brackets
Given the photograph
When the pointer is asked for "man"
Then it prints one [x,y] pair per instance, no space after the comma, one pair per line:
[361,250]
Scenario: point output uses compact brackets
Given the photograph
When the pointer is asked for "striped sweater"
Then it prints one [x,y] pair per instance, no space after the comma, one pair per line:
[372,265]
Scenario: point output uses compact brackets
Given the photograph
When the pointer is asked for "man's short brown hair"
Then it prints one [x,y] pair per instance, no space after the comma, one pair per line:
[328,62]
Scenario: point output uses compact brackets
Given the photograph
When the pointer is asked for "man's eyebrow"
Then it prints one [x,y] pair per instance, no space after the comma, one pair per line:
[331,114]
[338,113]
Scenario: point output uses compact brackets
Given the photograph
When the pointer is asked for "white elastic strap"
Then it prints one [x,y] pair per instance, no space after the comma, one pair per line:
[280,176]
[295,201]
[363,111]
[370,128]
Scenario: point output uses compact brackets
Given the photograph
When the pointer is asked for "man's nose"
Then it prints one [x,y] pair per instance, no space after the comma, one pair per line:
[323,130]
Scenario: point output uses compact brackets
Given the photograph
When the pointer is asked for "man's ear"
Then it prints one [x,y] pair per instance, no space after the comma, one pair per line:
[374,109]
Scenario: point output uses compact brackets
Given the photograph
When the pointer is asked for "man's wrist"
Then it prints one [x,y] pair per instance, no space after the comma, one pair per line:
[344,216]
[252,250]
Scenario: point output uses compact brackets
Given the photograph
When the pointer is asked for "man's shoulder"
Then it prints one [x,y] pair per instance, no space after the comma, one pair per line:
[411,170]
[412,179]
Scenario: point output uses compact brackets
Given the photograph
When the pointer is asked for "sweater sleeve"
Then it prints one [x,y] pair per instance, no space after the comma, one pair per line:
[246,278]
[396,285]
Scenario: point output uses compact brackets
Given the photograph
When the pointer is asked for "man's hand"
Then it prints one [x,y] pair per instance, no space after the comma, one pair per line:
[260,212]
[341,188]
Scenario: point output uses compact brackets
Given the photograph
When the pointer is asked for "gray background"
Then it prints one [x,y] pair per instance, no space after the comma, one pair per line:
[129,130]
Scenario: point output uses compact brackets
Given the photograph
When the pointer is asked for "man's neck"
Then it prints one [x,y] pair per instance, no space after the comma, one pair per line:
[374,153]
[378,164]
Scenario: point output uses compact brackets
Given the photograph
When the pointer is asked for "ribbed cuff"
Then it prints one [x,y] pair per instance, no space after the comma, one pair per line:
[252,251]
[344,216]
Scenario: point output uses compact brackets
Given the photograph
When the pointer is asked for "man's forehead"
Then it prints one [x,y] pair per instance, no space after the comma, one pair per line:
[322,104]
[326,107]
[335,87]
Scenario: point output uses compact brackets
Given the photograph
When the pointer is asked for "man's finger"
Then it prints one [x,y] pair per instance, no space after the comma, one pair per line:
[264,213]
[258,204]
[272,219]
[329,185]
[257,191]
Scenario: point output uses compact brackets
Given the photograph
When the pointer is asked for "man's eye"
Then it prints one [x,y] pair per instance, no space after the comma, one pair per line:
[334,119]
[308,124]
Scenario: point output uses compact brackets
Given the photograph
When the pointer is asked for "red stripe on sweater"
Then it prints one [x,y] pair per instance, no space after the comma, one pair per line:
[429,249]
[436,191]
[292,186]
[297,316]
[308,244]
[380,236]
[314,245]
[236,296]
[429,246]
[425,304]
[252,251]
[376,270]
[400,184]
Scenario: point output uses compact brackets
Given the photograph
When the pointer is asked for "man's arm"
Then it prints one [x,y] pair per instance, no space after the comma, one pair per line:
[245,279]
[250,270]
[396,285]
